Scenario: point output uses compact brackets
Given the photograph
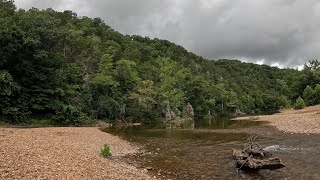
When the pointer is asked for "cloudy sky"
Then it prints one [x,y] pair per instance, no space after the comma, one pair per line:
[285,33]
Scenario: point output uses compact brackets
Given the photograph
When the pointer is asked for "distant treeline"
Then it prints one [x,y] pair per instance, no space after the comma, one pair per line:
[58,66]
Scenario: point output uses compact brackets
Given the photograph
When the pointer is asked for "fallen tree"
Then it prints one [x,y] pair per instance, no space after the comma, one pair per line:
[252,157]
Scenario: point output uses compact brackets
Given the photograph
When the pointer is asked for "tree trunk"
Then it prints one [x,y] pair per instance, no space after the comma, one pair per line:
[251,158]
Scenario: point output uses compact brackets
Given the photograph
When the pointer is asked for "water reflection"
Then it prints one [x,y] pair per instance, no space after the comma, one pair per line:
[211,123]
[185,154]
[182,134]
[225,123]
[205,153]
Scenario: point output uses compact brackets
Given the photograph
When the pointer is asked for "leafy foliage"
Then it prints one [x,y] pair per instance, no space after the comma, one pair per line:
[68,68]
[68,114]
[308,95]
[299,104]
[105,151]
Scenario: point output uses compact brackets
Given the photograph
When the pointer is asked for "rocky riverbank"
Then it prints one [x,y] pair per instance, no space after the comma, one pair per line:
[306,121]
[63,153]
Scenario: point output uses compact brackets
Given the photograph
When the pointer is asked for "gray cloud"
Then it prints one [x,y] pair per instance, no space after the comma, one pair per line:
[275,32]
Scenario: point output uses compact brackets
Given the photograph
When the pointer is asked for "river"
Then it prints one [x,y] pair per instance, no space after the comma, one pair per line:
[205,152]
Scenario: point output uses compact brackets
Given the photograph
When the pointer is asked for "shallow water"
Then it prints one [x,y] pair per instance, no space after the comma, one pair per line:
[225,123]
[206,154]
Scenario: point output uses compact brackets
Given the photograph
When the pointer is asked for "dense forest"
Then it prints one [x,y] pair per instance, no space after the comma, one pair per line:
[72,70]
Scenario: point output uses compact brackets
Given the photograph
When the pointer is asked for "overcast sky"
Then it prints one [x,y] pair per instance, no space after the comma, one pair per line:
[285,33]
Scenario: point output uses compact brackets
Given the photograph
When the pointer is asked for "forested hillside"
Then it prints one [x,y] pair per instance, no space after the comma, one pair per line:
[58,66]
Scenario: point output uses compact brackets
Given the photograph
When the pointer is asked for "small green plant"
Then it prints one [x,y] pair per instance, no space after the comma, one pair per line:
[105,151]
[299,104]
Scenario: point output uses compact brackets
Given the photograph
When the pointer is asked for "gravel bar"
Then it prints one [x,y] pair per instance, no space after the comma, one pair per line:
[303,121]
[63,153]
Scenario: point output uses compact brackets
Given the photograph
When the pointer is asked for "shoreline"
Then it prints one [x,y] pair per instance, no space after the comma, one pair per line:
[302,121]
[64,153]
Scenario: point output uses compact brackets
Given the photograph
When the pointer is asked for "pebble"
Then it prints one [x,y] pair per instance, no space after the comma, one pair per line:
[60,153]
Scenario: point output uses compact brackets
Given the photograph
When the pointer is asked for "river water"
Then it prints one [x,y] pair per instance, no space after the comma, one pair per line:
[205,151]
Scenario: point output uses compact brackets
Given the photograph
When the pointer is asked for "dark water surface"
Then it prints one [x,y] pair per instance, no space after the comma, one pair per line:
[205,153]
[226,123]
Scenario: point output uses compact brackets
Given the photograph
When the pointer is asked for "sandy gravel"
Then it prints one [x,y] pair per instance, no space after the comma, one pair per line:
[63,153]
[305,121]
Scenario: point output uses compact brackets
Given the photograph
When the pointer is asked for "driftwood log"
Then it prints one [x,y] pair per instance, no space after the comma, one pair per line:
[252,157]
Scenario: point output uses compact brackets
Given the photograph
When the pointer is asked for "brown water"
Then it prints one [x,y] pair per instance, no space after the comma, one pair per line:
[226,123]
[206,153]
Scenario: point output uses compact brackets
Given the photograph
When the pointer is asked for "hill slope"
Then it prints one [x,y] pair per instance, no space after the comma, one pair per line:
[58,66]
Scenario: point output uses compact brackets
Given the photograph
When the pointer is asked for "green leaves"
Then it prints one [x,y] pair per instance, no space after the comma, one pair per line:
[145,94]
[55,64]
[312,65]
[172,79]
[308,95]
[7,85]
[7,8]
[127,75]
[68,114]
[105,151]
[317,94]
[104,80]
[299,104]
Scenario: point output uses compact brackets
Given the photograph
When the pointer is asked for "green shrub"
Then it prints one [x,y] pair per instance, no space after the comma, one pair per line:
[105,151]
[42,122]
[317,94]
[308,96]
[299,104]
[68,115]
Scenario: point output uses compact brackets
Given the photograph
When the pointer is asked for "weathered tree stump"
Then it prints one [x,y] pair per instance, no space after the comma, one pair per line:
[256,164]
[255,158]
